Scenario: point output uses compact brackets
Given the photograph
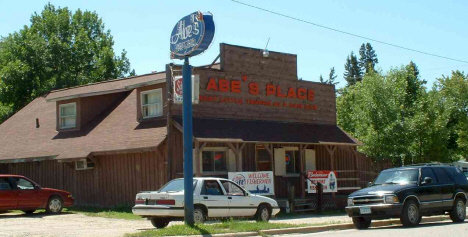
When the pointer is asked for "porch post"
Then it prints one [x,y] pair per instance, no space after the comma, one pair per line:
[302,148]
[331,150]
[197,158]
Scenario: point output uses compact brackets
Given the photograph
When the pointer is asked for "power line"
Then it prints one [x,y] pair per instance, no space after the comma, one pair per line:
[348,33]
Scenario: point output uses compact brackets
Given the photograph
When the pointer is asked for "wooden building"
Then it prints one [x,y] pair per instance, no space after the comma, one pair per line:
[105,142]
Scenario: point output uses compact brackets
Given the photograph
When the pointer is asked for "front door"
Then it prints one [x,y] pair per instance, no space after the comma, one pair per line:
[239,203]
[214,198]
[28,196]
[429,194]
[8,196]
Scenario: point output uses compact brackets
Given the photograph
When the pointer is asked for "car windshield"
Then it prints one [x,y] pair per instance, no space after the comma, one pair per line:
[397,177]
[175,186]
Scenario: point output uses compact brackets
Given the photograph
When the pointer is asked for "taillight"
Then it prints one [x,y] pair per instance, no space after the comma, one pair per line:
[165,202]
[139,201]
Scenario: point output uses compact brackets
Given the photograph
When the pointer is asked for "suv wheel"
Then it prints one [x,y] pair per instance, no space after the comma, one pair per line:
[458,212]
[361,223]
[160,223]
[410,215]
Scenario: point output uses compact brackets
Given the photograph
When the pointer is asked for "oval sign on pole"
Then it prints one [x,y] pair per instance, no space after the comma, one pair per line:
[192,35]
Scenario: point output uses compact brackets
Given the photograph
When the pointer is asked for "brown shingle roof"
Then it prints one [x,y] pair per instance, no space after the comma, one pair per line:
[111,86]
[115,129]
[269,131]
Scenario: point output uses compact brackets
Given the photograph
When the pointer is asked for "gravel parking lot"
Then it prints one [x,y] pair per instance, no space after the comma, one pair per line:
[39,224]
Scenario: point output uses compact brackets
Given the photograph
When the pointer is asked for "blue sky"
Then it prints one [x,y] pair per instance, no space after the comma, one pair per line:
[143,29]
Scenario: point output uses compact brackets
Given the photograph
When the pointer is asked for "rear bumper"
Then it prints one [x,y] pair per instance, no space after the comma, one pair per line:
[380,211]
[155,210]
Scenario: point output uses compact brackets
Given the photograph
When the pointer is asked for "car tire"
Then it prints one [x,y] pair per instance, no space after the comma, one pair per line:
[361,223]
[29,211]
[54,205]
[160,223]
[199,215]
[410,216]
[458,212]
[263,213]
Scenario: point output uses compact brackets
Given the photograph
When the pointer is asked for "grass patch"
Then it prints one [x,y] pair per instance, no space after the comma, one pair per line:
[120,212]
[219,228]
[311,213]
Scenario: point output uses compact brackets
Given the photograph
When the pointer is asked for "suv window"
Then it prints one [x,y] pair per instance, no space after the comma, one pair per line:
[442,176]
[427,172]
[457,175]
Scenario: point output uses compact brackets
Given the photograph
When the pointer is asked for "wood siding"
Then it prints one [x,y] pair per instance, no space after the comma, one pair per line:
[115,181]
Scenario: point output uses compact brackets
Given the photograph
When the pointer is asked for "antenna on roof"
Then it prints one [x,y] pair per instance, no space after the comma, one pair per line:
[265,51]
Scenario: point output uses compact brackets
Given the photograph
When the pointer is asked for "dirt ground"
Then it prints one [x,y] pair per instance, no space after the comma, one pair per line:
[39,224]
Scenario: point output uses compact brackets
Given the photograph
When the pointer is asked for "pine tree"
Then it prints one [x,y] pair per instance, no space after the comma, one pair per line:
[367,58]
[352,72]
[321,79]
[332,77]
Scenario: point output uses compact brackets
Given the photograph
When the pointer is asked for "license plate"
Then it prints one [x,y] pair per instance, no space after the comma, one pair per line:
[365,210]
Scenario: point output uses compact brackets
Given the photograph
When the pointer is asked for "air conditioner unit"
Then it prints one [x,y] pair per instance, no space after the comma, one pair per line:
[84,164]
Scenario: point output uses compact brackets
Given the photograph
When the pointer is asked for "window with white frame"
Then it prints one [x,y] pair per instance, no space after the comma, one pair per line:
[68,115]
[151,103]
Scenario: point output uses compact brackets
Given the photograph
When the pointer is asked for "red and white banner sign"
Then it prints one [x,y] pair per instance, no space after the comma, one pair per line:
[178,89]
[325,177]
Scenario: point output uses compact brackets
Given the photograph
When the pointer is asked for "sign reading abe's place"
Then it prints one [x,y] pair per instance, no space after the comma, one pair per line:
[192,35]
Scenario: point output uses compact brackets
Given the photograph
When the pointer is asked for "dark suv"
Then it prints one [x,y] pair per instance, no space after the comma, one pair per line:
[409,193]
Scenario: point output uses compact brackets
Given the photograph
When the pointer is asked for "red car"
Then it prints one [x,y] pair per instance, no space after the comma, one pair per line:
[20,193]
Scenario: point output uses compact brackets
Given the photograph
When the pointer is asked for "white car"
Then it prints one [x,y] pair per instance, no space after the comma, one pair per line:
[212,198]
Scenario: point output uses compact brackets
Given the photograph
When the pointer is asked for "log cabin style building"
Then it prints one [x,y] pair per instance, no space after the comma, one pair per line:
[107,141]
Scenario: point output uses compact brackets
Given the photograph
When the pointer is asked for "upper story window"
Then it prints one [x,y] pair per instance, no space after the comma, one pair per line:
[68,115]
[151,103]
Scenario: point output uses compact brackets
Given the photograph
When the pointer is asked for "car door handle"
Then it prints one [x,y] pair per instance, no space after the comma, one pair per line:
[229,197]
[205,197]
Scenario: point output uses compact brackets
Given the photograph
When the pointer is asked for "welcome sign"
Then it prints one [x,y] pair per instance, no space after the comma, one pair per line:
[260,183]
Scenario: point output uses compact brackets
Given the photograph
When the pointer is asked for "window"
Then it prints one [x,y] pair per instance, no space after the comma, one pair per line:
[427,172]
[68,115]
[21,183]
[457,175]
[214,161]
[4,185]
[211,187]
[263,159]
[232,189]
[293,161]
[176,185]
[151,103]
[398,177]
[442,176]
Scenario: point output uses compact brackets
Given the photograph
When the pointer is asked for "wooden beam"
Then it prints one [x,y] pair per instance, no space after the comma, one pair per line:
[267,147]
[178,126]
[197,158]
[203,144]
[95,161]
[232,147]
[242,147]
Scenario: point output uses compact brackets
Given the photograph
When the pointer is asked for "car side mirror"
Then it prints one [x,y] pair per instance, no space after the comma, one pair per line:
[37,187]
[246,194]
[369,184]
[427,180]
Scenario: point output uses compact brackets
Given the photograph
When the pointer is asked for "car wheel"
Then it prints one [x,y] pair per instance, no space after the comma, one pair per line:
[263,213]
[199,216]
[160,223]
[54,205]
[410,215]
[29,211]
[361,223]
[458,212]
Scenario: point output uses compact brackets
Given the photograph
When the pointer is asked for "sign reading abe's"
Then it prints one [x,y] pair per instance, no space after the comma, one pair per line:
[192,35]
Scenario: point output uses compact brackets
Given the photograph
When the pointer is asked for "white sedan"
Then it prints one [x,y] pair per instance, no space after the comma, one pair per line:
[212,198]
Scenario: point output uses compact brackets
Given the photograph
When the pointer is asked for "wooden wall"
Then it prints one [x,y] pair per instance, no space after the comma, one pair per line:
[116,181]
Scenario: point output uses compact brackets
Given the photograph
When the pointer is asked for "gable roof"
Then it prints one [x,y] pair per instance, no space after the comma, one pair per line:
[107,87]
[113,130]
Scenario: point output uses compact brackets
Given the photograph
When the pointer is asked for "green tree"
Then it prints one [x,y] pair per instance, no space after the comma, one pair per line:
[321,79]
[352,72]
[367,58]
[58,49]
[332,77]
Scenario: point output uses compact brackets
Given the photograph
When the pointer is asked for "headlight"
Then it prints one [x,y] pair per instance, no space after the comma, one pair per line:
[350,202]
[391,199]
